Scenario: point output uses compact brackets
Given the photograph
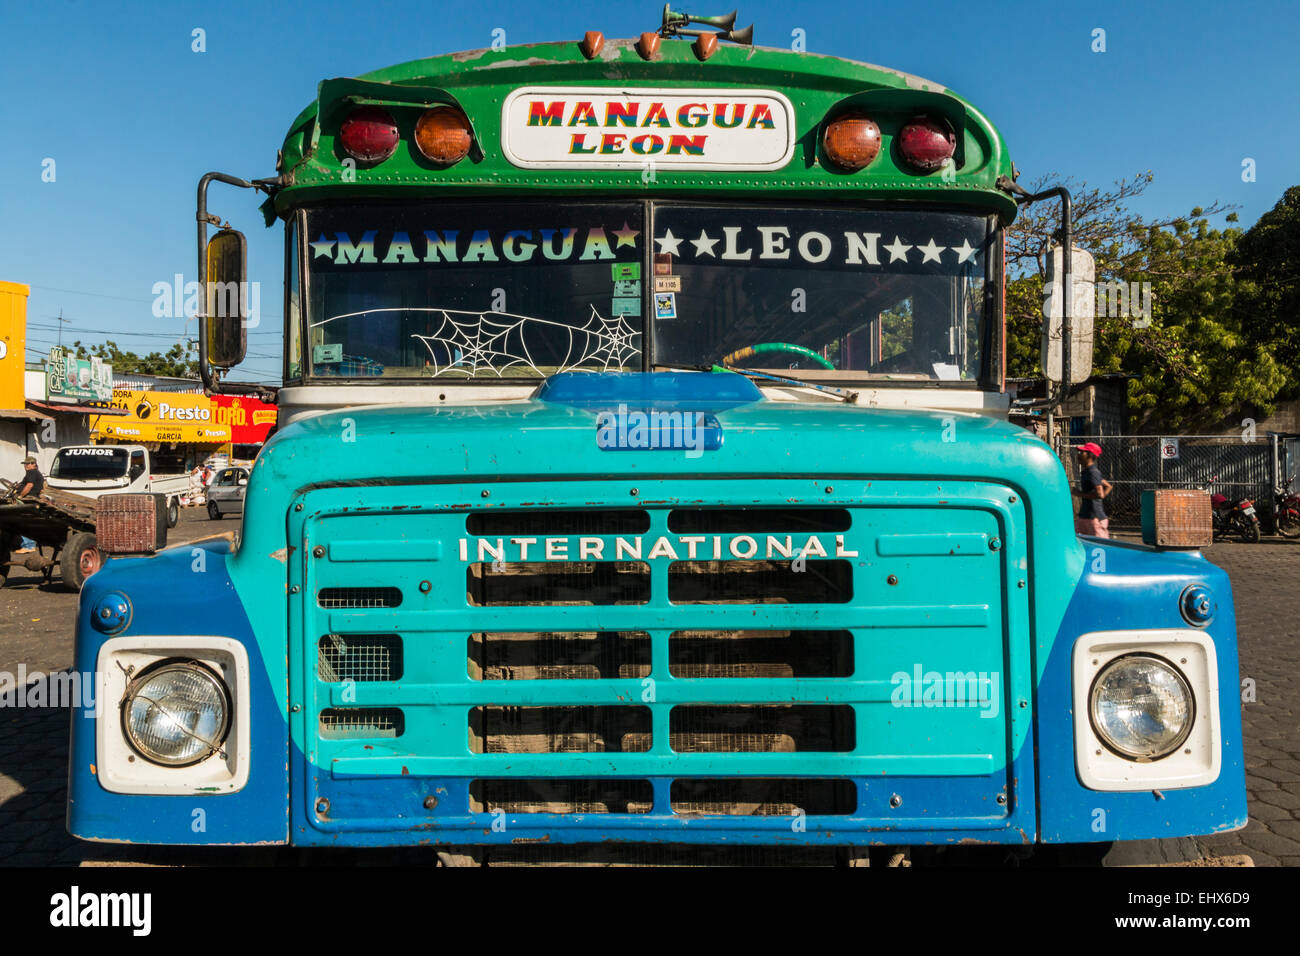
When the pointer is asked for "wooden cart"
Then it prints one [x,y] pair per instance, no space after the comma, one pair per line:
[59,521]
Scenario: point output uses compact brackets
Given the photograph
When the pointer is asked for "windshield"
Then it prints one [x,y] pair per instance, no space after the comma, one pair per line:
[474,290]
[872,293]
[92,463]
[525,290]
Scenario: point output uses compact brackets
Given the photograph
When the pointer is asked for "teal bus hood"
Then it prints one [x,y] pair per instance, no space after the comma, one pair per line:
[535,438]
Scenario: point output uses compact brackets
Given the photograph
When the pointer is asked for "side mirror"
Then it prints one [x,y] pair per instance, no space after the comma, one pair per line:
[227,270]
[243,481]
[1083,304]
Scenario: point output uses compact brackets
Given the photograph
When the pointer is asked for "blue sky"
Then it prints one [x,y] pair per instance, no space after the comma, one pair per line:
[132,116]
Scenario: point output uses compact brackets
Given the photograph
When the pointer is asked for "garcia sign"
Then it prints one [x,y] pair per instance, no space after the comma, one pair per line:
[584,128]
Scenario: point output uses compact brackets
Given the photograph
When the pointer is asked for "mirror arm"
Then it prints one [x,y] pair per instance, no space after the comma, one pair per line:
[1067,324]
[203,218]
[201,215]
[272,185]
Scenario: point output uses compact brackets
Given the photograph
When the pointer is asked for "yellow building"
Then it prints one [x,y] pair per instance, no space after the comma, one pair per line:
[17,421]
[13,345]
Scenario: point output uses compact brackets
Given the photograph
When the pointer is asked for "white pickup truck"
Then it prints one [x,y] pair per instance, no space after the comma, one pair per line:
[94,470]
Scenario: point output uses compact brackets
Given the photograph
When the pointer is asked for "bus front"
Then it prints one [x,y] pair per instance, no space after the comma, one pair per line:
[643,476]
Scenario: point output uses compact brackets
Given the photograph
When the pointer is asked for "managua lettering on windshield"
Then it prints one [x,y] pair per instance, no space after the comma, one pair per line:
[431,246]
[775,244]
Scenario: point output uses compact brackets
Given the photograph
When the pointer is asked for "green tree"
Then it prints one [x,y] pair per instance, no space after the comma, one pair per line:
[1194,367]
[1267,262]
[179,361]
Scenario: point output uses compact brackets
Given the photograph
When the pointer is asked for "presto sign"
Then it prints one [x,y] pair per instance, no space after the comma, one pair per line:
[595,128]
[163,417]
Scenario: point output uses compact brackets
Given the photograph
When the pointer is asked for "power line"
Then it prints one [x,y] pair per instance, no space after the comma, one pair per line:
[97,295]
[101,295]
[34,325]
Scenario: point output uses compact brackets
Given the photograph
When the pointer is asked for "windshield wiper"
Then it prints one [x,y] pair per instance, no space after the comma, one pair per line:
[845,395]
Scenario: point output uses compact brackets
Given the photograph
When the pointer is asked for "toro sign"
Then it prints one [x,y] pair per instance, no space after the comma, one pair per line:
[576,128]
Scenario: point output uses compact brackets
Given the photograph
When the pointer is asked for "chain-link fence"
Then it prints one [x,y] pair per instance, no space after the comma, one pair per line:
[1226,464]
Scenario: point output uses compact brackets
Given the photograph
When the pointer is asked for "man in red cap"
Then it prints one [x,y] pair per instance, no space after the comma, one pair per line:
[1091,519]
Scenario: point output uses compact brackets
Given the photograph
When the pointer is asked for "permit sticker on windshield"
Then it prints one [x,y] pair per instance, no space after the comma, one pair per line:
[327,354]
[665,305]
[627,306]
[627,287]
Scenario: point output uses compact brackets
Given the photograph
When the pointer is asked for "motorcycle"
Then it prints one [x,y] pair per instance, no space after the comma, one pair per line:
[1229,518]
[1286,510]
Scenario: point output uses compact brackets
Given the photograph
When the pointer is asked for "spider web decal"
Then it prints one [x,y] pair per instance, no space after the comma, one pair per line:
[485,343]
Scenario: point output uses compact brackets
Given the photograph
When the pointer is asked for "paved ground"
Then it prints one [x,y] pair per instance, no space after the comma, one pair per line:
[36,628]
[1265,579]
[36,624]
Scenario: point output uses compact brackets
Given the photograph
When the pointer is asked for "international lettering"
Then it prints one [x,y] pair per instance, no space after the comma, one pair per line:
[699,547]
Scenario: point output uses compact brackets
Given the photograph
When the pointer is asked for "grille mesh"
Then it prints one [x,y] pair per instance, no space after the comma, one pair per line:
[559,655]
[773,654]
[332,598]
[766,728]
[760,797]
[366,657]
[559,729]
[557,583]
[561,796]
[345,723]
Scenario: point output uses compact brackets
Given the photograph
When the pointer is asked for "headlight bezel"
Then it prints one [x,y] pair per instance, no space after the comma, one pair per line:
[150,673]
[1200,759]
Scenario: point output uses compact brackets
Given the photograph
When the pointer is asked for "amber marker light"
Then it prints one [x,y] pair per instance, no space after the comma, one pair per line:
[442,135]
[851,141]
[705,45]
[593,41]
[648,46]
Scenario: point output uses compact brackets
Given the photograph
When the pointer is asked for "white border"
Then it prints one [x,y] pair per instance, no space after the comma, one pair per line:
[712,93]
[119,768]
[1197,762]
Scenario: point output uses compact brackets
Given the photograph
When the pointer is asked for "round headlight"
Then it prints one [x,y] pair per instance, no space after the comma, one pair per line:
[176,713]
[1141,707]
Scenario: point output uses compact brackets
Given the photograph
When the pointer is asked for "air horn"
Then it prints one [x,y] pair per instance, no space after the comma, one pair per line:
[677,24]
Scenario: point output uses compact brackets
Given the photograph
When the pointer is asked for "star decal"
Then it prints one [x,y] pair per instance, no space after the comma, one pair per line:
[626,236]
[704,245]
[322,247]
[964,251]
[898,251]
[668,243]
[931,252]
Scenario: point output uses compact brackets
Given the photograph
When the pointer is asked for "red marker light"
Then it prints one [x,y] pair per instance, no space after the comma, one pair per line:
[927,144]
[369,134]
[851,141]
